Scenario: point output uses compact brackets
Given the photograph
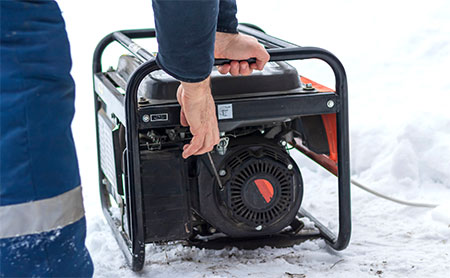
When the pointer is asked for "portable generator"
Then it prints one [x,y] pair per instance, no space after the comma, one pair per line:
[248,189]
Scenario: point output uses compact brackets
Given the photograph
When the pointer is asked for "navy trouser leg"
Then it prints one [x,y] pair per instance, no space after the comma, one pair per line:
[58,253]
[38,159]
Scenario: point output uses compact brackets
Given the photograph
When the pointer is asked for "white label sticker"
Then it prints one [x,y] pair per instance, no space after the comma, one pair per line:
[225,111]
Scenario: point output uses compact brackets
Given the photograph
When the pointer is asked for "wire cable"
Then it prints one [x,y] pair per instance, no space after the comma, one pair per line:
[406,203]
[305,151]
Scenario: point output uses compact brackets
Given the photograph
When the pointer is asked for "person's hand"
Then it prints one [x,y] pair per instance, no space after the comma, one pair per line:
[198,111]
[239,47]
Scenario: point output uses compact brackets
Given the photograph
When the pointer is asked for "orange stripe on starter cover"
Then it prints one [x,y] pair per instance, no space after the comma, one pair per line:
[265,188]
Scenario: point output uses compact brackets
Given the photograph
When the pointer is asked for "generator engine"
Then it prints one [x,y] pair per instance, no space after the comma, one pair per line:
[248,188]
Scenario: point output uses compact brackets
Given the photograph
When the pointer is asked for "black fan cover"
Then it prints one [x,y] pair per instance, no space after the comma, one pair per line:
[262,191]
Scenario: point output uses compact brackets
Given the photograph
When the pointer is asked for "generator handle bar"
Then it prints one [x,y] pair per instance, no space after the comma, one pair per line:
[287,51]
[137,247]
[124,38]
[133,47]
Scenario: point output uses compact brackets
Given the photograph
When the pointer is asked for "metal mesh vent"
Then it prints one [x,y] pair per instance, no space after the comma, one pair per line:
[107,161]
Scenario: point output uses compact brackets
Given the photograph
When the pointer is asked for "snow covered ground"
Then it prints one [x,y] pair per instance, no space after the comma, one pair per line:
[397,55]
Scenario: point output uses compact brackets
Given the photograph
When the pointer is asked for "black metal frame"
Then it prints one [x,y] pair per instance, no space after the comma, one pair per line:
[132,242]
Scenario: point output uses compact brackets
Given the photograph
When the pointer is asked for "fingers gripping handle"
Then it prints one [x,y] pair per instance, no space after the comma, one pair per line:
[275,55]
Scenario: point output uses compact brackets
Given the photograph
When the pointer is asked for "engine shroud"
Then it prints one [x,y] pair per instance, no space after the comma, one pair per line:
[262,188]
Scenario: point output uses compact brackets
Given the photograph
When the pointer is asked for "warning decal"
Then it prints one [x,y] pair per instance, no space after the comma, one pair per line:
[225,111]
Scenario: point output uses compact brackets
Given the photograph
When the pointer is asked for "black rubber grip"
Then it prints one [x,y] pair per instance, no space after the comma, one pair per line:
[220,62]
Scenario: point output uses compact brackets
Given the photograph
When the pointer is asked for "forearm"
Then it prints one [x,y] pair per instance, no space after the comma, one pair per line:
[197,89]
[186,32]
[227,21]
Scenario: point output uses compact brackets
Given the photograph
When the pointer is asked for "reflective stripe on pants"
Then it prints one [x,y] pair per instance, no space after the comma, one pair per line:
[41,216]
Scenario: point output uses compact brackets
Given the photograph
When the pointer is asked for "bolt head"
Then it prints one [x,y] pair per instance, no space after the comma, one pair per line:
[258,228]
[146,118]
[308,87]
[283,143]
[222,172]
[290,166]
[330,103]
